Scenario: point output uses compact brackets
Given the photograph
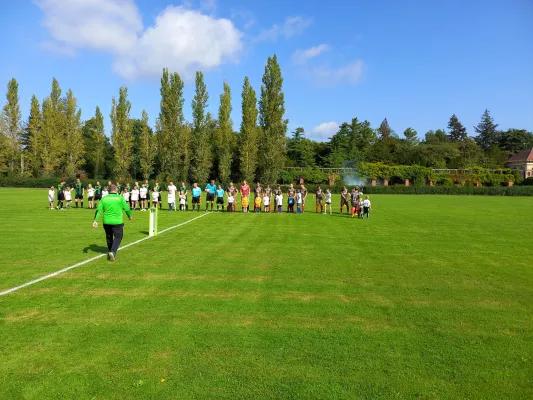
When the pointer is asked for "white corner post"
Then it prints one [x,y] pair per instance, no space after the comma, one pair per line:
[152,226]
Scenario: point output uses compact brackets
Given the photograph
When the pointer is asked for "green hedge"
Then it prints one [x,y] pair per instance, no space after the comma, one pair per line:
[452,190]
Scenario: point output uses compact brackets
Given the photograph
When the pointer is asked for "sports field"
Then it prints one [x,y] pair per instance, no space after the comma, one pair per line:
[431,298]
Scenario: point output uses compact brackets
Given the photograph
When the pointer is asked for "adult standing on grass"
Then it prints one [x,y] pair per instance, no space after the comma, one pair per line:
[210,189]
[80,192]
[111,206]
[303,191]
[60,194]
[183,189]
[319,196]
[196,194]
[245,192]
[344,199]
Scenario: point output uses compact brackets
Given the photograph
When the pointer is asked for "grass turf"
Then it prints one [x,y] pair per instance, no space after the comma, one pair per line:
[430,298]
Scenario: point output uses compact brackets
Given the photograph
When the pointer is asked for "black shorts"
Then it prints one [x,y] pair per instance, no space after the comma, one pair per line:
[90,198]
[60,197]
[366,210]
[143,198]
[210,197]
[220,200]
[196,200]
[97,196]
[79,197]
[344,202]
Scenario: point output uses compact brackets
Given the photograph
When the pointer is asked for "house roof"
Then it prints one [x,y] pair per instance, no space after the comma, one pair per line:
[524,155]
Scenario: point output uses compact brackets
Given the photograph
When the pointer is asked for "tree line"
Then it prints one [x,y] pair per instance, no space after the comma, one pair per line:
[55,141]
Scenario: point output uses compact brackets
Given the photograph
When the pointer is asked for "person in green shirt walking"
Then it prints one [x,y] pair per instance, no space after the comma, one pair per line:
[60,194]
[111,206]
[80,192]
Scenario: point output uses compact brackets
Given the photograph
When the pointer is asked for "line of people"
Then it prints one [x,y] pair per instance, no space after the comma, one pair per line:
[141,196]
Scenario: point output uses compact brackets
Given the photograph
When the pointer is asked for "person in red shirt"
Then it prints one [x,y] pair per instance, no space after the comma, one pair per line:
[245,192]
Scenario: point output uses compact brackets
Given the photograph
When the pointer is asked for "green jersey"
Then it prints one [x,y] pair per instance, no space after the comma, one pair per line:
[59,187]
[128,189]
[112,206]
[157,188]
[183,189]
[98,189]
[79,189]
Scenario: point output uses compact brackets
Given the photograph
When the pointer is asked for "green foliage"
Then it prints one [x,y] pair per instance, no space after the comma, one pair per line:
[457,130]
[451,190]
[201,160]
[12,124]
[74,144]
[272,146]
[146,151]
[487,131]
[249,133]
[122,134]
[225,138]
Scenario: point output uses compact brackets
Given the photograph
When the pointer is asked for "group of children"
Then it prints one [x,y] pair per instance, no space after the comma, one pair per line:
[265,199]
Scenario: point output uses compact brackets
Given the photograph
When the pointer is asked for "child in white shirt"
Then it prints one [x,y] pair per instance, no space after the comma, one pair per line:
[143,192]
[134,197]
[90,195]
[298,201]
[126,195]
[155,197]
[266,203]
[366,207]
[51,195]
[183,200]
[68,196]
[279,202]
[105,192]
[231,201]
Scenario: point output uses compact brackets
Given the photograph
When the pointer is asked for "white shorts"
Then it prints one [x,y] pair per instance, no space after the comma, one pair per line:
[134,199]
[50,199]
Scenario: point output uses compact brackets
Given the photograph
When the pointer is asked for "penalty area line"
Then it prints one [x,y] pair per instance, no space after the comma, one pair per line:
[42,278]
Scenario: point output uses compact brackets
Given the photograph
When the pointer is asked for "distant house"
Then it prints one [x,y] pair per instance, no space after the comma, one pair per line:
[522,161]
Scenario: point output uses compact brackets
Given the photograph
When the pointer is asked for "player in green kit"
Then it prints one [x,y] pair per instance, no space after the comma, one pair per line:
[97,193]
[80,192]
[60,194]
[111,206]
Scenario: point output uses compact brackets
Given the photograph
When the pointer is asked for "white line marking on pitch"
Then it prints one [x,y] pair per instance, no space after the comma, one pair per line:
[42,278]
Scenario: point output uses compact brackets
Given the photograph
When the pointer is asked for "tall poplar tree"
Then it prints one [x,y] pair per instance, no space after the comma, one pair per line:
[225,136]
[51,143]
[146,153]
[34,137]
[200,143]
[74,145]
[272,143]
[121,135]
[98,150]
[249,133]
[172,135]
[13,126]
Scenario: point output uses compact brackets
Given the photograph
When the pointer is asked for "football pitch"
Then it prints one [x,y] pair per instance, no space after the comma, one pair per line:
[432,297]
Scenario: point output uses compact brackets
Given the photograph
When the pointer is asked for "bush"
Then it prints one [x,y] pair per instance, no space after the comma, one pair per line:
[452,190]
[528,181]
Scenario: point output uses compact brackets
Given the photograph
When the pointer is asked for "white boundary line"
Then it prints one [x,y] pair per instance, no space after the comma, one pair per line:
[42,278]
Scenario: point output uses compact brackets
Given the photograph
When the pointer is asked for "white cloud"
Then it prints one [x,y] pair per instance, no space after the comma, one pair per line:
[348,74]
[325,130]
[301,56]
[58,48]
[184,40]
[291,27]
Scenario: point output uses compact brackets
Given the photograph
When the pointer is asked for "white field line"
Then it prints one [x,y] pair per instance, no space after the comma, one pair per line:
[42,278]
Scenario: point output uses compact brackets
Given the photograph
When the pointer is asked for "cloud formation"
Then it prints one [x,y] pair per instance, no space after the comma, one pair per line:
[291,27]
[351,73]
[301,56]
[325,130]
[182,39]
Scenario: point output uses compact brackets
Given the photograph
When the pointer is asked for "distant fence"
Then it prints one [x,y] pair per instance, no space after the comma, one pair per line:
[344,171]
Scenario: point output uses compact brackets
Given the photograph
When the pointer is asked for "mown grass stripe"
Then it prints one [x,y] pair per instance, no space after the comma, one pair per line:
[42,278]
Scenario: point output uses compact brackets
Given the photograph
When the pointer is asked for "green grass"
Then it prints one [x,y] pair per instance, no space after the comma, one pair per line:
[431,298]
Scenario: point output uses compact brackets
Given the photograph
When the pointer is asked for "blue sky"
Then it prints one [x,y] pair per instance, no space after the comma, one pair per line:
[414,62]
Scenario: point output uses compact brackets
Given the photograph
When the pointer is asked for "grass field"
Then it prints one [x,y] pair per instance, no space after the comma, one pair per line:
[431,298]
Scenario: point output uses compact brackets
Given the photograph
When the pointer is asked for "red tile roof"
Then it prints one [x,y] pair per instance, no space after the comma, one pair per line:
[524,155]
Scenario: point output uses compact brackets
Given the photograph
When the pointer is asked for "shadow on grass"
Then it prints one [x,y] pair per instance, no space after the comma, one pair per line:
[94,248]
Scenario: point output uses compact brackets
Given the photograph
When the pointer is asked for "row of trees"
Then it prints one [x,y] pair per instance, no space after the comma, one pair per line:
[54,141]
[357,142]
